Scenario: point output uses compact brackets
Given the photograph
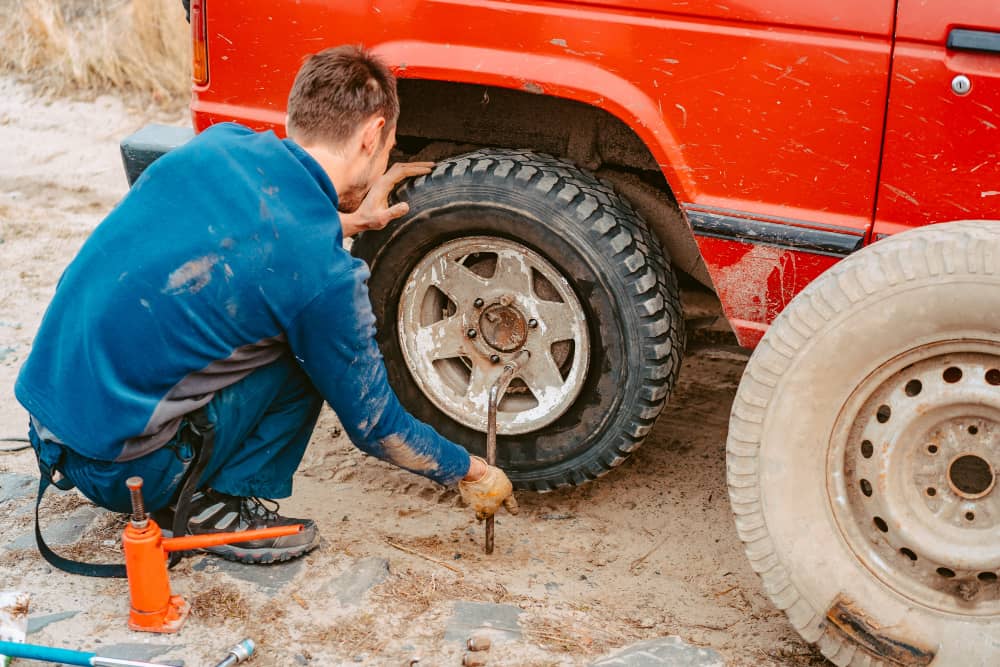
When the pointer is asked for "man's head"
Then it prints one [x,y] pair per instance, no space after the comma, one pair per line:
[344,104]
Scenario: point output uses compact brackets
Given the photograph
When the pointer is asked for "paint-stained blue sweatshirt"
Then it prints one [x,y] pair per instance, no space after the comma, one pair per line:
[226,254]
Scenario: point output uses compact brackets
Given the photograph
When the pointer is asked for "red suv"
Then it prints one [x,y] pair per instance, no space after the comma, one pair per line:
[591,153]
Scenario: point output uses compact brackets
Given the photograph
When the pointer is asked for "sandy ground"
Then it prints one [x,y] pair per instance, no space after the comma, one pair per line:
[648,551]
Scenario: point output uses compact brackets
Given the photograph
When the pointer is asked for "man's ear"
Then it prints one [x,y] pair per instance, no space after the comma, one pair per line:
[371,136]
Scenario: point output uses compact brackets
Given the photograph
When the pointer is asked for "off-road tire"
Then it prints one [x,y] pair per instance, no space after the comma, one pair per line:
[830,350]
[615,266]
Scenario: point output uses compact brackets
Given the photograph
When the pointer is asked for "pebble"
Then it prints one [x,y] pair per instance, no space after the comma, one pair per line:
[479,643]
[472,659]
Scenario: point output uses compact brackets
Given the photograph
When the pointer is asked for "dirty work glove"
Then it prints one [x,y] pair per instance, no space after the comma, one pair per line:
[486,494]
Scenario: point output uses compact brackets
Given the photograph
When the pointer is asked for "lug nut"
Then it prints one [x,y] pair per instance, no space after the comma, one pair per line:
[495,358]
[532,323]
[471,333]
[478,303]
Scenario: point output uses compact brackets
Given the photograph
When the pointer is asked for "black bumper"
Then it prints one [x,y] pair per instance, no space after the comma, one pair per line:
[141,149]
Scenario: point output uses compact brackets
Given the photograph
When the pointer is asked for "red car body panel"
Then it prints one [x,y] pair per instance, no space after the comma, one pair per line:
[942,149]
[767,114]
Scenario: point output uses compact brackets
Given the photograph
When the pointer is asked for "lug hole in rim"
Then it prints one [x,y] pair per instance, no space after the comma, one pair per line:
[881,524]
[993,376]
[913,387]
[866,487]
[970,516]
[973,430]
[883,413]
[867,449]
[931,491]
[932,449]
[952,374]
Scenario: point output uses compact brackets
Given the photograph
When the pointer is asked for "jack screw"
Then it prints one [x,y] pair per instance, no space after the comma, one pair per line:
[134,485]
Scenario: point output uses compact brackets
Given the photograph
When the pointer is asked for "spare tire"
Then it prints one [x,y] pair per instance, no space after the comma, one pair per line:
[506,251]
[864,447]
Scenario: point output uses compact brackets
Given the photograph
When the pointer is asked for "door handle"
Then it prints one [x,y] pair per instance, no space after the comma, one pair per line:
[985,41]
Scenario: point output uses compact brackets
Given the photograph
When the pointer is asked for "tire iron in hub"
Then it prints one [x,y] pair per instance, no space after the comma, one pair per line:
[497,391]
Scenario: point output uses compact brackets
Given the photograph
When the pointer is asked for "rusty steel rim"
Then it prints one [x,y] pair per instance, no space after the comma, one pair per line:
[912,475]
[474,303]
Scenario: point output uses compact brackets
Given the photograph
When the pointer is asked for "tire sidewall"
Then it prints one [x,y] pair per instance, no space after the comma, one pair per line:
[816,382]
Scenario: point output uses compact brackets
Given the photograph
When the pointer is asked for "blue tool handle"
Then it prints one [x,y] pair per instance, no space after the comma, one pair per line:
[46,653]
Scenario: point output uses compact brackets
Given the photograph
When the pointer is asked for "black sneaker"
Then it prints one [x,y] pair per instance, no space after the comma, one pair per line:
[214,512]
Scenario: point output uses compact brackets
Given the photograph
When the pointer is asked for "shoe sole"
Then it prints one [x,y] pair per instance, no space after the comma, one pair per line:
[259,556]
[250,556]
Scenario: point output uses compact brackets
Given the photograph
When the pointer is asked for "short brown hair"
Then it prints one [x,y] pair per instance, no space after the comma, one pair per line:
[336,90]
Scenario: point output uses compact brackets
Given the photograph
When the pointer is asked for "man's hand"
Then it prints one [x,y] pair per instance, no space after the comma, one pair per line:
[486,491]
[375,212]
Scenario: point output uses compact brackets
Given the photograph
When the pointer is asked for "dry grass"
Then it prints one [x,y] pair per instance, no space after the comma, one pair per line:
[220,604]
[358,633]
[78,46]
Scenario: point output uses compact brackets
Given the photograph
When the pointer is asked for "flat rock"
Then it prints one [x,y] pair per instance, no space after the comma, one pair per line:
[38,623]
[499,622]
[136,651]
[361,577]
[15,485]
[63,531]
[271,578]
[672,651]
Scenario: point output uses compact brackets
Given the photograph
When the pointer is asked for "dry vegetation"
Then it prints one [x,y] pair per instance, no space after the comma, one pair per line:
[78,46]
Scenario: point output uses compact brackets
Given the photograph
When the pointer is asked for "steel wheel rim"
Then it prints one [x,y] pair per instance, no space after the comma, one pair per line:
[473,303]
[912,475]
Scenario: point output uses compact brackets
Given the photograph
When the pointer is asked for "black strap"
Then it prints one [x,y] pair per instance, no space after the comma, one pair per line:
[66,564]
[204,430]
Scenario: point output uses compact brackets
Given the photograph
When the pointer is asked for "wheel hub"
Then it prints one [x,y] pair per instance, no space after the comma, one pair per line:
[473,303]
[503,326]
[914,485]
[971,476]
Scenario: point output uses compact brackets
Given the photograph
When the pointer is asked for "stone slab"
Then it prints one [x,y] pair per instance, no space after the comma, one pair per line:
[363,575]
[15,485]
[63,531]
[499,622]
[39,623]
[271,578]
[143,652]
[672,651]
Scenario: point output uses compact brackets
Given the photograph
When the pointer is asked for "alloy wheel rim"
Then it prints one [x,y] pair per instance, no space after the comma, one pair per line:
[474,303]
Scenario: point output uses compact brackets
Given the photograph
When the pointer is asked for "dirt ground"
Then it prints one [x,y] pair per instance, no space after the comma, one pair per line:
[648,551]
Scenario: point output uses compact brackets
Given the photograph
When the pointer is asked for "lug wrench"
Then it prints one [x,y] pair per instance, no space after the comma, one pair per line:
[497,391]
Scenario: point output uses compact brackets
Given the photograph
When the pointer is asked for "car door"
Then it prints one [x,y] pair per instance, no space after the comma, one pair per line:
[941,152]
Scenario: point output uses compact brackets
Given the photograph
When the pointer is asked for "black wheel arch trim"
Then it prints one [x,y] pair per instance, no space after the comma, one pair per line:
[780,232]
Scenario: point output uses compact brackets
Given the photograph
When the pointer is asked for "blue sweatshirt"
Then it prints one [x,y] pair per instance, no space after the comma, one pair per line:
[226,254]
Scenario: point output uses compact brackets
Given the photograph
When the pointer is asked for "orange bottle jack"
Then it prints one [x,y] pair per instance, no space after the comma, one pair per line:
[153,607]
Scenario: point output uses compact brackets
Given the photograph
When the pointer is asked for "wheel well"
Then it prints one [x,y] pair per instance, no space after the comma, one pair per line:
[439,119]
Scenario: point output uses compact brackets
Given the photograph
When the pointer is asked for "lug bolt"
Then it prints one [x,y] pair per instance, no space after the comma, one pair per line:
[478,303]
[495,358]
[471,333]
[532,323]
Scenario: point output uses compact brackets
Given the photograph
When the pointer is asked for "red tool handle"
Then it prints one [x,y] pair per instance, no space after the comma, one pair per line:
[190,542]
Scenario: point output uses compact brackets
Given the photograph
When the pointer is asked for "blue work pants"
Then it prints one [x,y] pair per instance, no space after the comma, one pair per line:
[262,426]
